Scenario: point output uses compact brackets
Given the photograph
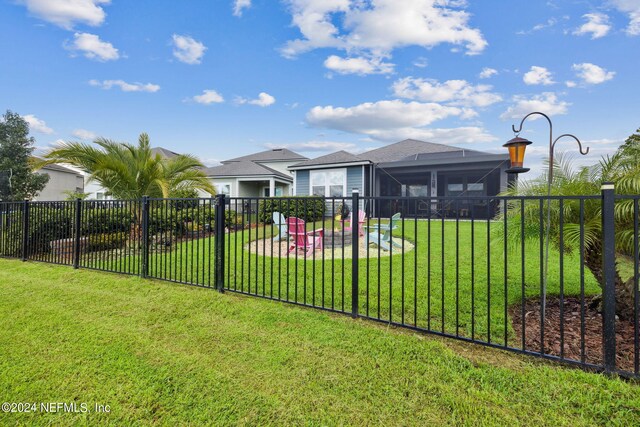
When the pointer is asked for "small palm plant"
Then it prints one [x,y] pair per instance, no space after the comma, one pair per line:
[623,168]
[129,172]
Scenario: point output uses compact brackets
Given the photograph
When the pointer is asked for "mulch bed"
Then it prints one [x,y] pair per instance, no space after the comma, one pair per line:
[572,348]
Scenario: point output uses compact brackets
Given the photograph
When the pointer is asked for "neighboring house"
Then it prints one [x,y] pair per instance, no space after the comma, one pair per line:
[61,181]
[262,174]
[409,168]
[97,192]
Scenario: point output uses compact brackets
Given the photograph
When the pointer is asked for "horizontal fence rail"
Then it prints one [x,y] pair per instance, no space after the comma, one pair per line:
[534,275]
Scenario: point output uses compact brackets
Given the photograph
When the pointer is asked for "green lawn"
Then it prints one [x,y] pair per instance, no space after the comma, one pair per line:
[167,354]
[443,287]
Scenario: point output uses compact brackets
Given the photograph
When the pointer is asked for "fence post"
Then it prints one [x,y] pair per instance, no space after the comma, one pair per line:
[77,230]
[219,241]
[609,276]
[144,270]
[25,229]
[355,251]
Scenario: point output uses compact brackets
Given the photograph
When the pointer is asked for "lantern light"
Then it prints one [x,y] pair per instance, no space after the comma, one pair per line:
[517,147]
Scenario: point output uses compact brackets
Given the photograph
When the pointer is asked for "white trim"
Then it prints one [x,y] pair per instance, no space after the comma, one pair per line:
[330,165]
[250,177]
[295,184]
[326,184]
[607,187]
[229,183]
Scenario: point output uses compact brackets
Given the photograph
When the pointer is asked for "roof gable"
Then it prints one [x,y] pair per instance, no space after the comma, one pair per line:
[167,154]
[273,155]
[244,168]
[333,158]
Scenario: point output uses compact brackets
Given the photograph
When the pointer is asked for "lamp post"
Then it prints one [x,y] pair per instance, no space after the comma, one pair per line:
[517,147]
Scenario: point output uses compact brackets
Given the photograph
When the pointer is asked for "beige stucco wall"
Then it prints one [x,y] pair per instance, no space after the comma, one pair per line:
[59,182]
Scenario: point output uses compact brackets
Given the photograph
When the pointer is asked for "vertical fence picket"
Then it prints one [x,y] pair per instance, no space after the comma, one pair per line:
[609,273]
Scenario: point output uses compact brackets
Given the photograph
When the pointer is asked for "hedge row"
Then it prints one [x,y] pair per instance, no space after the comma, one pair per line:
[47,224]
[307,208]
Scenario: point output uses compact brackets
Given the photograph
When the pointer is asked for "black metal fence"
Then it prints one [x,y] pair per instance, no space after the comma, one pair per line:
[555,277]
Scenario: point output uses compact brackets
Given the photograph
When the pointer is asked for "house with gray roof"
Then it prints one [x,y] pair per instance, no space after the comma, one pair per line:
[263,174]
[62,181]
[409,168]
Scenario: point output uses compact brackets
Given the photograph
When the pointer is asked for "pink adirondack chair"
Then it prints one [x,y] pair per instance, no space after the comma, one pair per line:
[308,241]
[362,219]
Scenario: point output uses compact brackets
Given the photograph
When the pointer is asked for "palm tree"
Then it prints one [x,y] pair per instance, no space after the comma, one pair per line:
[130,172]
[623,168]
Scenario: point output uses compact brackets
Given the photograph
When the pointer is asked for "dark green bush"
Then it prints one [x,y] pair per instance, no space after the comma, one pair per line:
[47,224]
[306,208]
[106,241]
[106,220]
[233,221]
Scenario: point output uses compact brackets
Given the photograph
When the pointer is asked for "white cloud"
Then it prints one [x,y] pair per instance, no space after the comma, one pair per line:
[84,134]
[570,83]
[592,74]
[66,13]
[487,73]
[538,76]
[379,115]
[454,92]
[240,5]
[188,50]
[546,102]
[451,136]
[390,120]
[378,27]
[124,86]
[358,65]
[263,100]
[551,22]
[421,62]
[93,48]
[632,8]
[597,26]
[316,146]
[37,125]
[208,96]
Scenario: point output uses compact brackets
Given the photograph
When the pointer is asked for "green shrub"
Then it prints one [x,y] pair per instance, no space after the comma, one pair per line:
[306,208]
[233,221]
[106,241]
[99,220]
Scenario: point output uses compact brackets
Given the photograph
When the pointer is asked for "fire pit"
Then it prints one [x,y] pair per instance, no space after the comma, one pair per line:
[337,238]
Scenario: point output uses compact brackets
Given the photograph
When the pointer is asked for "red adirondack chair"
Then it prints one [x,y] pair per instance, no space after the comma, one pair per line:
[362,219]
[308,241]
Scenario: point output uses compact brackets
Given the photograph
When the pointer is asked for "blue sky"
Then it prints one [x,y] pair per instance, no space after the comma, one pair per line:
[223,78]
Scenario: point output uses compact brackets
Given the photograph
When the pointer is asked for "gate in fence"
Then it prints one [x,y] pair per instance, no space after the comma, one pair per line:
[555,277]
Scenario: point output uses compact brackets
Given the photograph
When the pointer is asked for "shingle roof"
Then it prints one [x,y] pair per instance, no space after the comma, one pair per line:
[244,168]
[274,155]
[446,155]
[59,168]
[333,158]
[55,167]
[403,149]
[167,154]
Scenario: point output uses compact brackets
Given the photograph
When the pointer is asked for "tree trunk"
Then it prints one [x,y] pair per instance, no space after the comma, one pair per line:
[624,290]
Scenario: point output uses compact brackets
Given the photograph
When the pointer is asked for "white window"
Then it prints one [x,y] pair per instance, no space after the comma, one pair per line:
[278,192]
[223,188]
[329,183]
[99,196]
